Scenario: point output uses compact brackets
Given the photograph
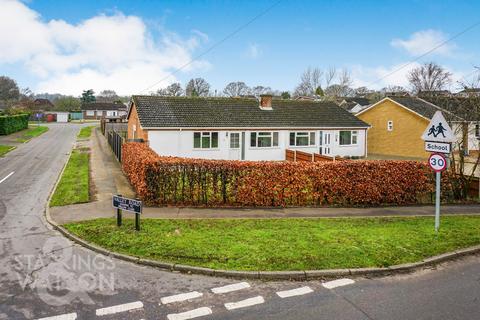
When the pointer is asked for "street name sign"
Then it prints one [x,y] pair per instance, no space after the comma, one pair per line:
[127,204]
[441,147]
[437,162]
[438,130]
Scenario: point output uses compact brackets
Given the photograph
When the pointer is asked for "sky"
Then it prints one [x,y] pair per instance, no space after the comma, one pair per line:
[135,47]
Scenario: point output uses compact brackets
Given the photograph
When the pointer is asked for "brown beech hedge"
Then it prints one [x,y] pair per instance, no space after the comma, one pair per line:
[196,182]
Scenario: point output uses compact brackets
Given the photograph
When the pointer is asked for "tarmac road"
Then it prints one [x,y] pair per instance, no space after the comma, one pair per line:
[44,275]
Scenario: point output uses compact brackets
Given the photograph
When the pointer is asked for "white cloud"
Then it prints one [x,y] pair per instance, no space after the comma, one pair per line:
[422,41]
[253,51]
[115,51]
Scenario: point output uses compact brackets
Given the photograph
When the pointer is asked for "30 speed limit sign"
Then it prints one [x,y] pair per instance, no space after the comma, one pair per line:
[437,162]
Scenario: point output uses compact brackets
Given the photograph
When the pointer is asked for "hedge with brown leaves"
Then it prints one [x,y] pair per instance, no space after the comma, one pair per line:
[196,182]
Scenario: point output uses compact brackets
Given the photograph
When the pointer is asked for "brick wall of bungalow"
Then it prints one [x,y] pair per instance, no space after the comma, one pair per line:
[403,140]
[135,130]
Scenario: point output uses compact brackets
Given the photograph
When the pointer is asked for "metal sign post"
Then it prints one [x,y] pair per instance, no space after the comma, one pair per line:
[438,137]
[132,205]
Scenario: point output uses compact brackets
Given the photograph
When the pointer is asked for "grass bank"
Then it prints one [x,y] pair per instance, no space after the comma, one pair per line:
[32,132]
[5,149]
[85,132]
[284,244]
[74,183]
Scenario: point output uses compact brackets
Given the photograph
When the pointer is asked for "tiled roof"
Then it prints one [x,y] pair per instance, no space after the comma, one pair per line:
[467,108]
[183,112]
[103,106]
[423,107]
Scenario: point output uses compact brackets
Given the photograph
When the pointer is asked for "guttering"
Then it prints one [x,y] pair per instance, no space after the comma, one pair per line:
[254,128]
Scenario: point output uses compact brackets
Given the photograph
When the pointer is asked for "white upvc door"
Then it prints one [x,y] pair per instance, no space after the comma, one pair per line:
[235,143]
[325,142]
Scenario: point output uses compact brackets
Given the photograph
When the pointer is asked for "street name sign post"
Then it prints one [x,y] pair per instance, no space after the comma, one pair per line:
[438,137]
[133,205]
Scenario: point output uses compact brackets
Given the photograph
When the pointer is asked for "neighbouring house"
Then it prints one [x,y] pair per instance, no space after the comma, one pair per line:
[469,92]
[106,110]
[41,104]
[244,129]
[397,124]
[354,104]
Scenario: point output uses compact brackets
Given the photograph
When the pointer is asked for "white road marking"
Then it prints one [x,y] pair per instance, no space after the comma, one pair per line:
[66,316]
[244,303]
[294,292]
[200,312]
[119,308]
[231,287]
[337,283]
[181,297]
[8,176]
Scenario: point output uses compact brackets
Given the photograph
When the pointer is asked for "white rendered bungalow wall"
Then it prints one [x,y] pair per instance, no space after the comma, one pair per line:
[181,143]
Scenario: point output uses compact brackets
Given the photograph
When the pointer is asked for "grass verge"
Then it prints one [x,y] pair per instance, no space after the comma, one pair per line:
[284,244]
[85,132]
[74,183]
[32,132]
[5,149]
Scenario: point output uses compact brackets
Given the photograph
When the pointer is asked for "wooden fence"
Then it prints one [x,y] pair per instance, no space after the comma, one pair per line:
[296,155]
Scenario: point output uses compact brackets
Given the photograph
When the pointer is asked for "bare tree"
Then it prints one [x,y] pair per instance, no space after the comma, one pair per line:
[330,76]
[258,90]
[310,81]
[197,87]
[107,96]
[342,88]
[174,90]
[236,89]
[429,77]
[8,89]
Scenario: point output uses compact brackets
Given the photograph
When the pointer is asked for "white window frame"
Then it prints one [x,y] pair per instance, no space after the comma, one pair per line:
[353,138]
[390,125]
[208,134]
[308,134]
[270,134]
[90,113]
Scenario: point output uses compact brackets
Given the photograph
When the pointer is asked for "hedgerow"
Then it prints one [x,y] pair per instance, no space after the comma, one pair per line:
[197,182]
[13,123]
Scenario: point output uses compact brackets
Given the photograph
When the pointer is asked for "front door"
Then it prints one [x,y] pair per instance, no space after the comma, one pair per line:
[235,142]
[325,143]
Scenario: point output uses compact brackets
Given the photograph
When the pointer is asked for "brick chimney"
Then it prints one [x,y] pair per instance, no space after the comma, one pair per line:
[266,101]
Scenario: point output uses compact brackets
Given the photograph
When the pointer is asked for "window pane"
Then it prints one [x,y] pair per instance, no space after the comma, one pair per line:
[275,139]
[205,141]
[292,138]
[345,137]
[312,138]
[264,142]
[196,139]
[302,140]
[214,139]
[354,139]
[253,139]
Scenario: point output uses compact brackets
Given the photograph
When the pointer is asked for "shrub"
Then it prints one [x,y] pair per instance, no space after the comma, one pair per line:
[196,182]
[13,123]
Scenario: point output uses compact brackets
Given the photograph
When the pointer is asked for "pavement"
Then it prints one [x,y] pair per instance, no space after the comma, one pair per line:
[45,276]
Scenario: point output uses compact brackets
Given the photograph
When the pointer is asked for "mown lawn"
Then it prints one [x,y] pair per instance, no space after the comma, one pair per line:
[74,183]
[85,132]
[32,132]
[5,149]
[284,244]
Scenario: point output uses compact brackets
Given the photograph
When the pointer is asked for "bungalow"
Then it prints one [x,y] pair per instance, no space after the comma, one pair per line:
[397,124]
[99,110]
[354,104]
[244,129]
